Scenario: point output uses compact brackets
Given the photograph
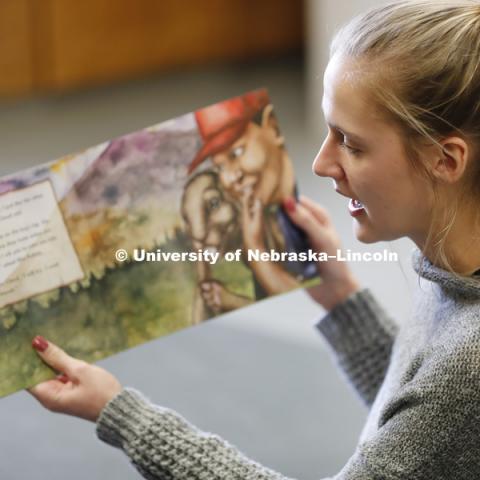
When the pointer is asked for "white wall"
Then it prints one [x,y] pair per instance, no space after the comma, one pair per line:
[323,18]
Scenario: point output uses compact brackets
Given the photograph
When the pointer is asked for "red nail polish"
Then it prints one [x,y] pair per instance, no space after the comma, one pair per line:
[289,204]
[63,378]
[39,343]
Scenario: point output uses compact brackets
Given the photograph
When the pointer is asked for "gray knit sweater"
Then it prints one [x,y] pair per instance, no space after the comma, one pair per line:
[421,383]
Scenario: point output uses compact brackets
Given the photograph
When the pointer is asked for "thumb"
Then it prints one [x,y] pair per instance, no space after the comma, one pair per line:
[54,356]
[319,212]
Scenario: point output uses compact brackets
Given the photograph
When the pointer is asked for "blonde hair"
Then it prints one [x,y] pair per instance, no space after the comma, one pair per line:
[422,68]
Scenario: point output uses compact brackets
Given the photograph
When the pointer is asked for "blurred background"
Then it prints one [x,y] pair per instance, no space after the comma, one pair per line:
[74,74]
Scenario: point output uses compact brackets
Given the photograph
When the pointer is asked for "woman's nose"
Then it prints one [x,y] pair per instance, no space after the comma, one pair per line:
[326,163]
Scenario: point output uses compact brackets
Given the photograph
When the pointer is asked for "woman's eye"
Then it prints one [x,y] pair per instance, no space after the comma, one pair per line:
[352,150]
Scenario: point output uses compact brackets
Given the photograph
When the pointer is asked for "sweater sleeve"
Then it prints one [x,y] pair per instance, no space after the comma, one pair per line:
[361,336]
[161,444]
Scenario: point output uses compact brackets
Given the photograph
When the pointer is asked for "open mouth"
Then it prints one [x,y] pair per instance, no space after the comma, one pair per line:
[355,207]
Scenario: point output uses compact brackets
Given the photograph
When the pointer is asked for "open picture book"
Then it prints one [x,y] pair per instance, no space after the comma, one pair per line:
[146,234]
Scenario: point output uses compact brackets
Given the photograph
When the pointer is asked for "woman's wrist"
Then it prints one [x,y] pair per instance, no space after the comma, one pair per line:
[341,292]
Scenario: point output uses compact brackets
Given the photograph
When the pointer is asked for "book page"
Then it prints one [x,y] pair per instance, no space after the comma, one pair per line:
[36,254]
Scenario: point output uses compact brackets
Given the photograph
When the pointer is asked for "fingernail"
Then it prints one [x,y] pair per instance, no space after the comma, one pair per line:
[63,378]
[289,204]
[39,343]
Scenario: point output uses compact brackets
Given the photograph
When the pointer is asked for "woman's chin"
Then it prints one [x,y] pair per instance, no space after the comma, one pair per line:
[365,233]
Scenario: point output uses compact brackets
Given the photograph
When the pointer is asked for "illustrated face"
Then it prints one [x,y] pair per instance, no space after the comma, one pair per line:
[366,159]
[253,162]
[209,217]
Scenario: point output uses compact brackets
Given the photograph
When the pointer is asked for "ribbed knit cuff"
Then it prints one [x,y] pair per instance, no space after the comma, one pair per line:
[119,420]
[162,444]
[356,322]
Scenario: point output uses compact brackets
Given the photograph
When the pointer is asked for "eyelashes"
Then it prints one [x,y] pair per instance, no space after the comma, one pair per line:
[349,148]
[340,137]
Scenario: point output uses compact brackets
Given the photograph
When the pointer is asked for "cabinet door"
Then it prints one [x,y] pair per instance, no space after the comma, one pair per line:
[15,47]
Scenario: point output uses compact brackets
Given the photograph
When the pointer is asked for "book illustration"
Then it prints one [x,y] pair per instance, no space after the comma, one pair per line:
[191,184]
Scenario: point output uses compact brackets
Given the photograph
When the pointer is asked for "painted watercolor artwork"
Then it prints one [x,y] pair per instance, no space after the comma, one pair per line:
[75,234]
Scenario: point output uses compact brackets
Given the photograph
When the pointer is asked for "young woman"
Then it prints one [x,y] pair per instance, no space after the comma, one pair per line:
[402,104]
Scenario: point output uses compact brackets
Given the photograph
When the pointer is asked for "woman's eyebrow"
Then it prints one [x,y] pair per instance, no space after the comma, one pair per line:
[351,135]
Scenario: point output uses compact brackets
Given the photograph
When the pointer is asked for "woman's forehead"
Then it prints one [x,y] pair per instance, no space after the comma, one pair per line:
[346,102]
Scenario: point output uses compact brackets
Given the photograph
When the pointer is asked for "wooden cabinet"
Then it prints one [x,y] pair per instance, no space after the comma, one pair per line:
[57,45]
[15,47]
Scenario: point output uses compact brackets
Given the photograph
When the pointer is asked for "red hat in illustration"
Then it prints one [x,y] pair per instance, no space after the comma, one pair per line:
[222,124]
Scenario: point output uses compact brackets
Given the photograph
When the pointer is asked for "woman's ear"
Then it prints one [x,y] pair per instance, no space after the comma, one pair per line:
[450,163]
[269,121]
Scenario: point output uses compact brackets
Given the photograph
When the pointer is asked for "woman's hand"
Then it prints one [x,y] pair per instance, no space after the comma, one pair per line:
[81,390]
[338,281]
